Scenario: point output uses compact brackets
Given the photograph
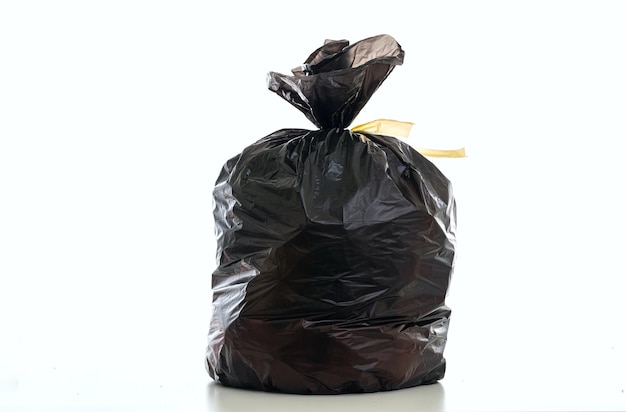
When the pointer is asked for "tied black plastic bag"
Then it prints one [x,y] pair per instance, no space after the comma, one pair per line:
[335,248]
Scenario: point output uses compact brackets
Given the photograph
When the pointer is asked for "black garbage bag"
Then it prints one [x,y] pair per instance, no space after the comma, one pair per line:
[335,248]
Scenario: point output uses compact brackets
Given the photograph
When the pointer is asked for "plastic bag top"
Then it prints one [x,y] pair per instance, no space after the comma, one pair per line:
[337,80]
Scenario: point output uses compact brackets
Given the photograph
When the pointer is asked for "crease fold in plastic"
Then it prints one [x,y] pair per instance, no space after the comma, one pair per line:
[335,248]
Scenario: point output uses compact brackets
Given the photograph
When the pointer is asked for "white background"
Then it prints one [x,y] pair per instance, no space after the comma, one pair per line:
[116,116]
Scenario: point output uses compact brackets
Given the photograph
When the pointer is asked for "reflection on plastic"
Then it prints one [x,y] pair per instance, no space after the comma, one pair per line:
[335,248]
[423,398]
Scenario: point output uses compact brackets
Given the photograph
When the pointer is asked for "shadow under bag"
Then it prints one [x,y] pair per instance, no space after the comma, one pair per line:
[335,249]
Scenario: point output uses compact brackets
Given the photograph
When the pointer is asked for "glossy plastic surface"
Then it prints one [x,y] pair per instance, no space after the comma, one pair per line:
[335,248]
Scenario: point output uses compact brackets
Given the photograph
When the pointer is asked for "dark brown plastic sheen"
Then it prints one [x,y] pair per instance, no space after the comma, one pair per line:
[335,249]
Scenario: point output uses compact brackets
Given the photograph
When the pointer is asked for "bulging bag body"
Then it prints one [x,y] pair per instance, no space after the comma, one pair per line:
[335,253]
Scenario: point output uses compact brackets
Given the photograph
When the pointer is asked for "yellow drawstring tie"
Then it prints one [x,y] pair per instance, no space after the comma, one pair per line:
[395,128]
